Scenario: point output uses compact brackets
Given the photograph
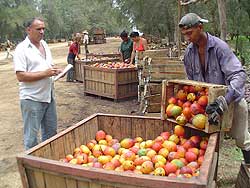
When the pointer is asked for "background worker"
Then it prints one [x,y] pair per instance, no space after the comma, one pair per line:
[86,41]
[139,46]
[35,70]
[126,47]
[8,48]
[73,53]
[209,59]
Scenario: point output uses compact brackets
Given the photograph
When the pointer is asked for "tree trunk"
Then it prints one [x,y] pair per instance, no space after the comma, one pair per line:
[223,19]
[178,29]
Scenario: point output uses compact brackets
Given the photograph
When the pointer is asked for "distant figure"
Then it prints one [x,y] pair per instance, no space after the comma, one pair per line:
[8,45]
[86,41]
[126,47]
[139,46]
[35,70]
[73,53]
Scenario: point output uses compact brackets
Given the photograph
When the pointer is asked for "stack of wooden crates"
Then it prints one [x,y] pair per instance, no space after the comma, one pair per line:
[162,68]
[99,35]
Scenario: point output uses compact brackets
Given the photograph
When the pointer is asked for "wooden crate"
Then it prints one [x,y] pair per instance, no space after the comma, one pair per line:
[170,88]
[111,55]
[157,53]
[153,97]
[79,71]
[79,64]
[110,83]
[40,167]
[243,178]
[164,68]
[166,71]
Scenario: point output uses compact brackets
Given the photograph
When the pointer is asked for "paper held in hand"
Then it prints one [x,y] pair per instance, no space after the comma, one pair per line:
[67,68]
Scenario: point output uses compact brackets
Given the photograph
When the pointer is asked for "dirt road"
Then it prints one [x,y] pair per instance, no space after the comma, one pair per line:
[72,106]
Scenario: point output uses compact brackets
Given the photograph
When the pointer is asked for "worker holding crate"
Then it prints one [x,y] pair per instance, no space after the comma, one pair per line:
[209,59]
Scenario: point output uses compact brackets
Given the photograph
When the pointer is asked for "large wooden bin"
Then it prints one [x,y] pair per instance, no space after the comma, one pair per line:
[79,64]
[40,167]
[170,88]
[111,83]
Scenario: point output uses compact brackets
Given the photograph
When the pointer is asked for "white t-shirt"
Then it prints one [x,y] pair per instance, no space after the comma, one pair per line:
[28,58]
[85,39]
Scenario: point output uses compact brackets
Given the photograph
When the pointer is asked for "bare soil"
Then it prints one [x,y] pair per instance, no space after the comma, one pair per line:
[72,106]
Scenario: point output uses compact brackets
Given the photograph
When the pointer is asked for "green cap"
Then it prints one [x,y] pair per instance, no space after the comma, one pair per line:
[190,20]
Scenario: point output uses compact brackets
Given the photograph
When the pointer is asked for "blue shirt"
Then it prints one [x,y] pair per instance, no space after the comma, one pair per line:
[221,67]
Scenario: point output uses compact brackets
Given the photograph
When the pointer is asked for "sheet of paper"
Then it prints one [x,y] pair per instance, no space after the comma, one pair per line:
[66,69]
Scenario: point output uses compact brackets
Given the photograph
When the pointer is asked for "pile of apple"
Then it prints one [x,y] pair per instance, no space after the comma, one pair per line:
[167,155]
[97,58]
[113,65]
[188,106]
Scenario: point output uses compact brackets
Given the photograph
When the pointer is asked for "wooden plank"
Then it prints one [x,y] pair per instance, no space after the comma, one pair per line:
[138,128]
[69,143]
[213,172]
[22,172]
[154,108]
[83,184]
[54,181]
[57,147]
[35,178]
[95,185]
[71,183]
[47,152]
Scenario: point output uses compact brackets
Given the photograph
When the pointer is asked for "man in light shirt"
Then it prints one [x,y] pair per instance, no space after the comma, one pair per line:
[86,41]
[35,70]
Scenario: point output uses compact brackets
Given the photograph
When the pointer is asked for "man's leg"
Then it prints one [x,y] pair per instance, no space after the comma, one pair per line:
[49,122]
[32,113]
[70,74]
[239,130]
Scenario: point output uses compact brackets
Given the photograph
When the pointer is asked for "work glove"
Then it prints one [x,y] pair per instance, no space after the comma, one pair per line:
[215,110]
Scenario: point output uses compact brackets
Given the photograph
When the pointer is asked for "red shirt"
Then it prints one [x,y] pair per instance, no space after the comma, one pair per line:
[74,47]
[140,48]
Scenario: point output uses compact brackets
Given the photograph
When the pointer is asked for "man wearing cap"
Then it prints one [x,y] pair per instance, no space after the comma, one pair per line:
[209,59]
[126,47]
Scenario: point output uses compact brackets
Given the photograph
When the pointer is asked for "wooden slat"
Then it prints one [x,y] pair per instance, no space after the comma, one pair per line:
[57,147]
[54,181]
[69,143]
[35,178]
[83,184]
[138,128]
[71,183]
[95,185]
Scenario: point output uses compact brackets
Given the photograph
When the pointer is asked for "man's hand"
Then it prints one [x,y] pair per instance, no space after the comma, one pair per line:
[215,110]
[53,72]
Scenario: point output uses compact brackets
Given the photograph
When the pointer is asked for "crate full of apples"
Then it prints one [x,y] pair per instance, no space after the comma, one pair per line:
[185,101]
[113,65]
[169,154]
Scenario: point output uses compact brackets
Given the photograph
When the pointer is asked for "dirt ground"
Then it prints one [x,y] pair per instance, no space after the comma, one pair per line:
[73,106]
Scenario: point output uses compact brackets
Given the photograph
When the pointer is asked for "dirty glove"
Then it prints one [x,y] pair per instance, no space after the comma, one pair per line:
[215,110]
